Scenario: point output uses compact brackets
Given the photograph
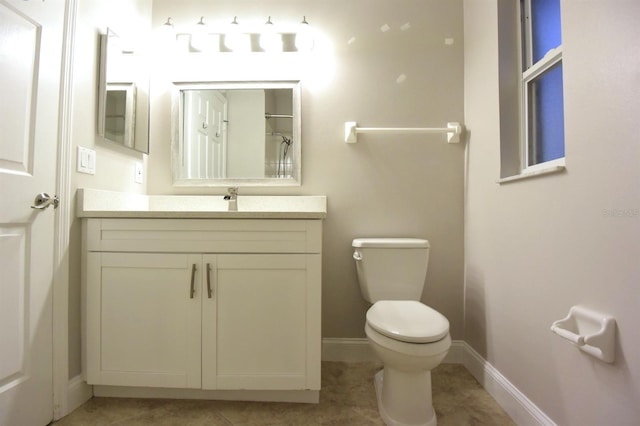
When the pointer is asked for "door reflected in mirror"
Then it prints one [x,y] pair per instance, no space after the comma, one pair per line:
[236,133]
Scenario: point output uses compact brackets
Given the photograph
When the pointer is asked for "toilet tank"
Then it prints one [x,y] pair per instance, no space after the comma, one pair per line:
[391,268]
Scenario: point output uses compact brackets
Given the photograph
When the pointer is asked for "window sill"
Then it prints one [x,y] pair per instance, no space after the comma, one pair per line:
[533,174]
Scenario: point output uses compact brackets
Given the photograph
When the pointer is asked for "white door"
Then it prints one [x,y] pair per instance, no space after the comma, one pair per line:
[218,136]
[205,134]
[196,135]
[30,60]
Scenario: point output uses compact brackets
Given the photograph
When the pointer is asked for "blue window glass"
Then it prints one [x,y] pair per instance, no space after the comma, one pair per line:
[546,109]
[545,27]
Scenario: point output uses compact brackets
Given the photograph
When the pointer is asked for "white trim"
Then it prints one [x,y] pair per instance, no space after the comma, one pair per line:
[347,350]
[551,58]
[456,353]
[532,174]
[298,396]
[60,317]
[525,18]
[78,393]
[558,162]
[522,410]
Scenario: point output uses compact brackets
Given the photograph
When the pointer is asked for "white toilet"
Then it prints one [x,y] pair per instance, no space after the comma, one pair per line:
[409,337]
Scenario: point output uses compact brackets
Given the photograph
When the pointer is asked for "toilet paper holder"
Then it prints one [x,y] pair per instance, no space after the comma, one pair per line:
[592,332]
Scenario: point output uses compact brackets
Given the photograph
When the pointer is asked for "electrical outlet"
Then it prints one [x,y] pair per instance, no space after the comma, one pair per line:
[139,172]
[86,161]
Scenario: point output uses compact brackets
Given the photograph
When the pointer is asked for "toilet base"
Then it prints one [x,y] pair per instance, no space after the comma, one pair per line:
[425,404]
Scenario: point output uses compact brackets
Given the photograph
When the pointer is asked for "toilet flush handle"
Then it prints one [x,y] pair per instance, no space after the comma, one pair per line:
[357,255]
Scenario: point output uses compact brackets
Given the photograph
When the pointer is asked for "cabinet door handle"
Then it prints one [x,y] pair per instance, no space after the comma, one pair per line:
[193,281]
[209,289]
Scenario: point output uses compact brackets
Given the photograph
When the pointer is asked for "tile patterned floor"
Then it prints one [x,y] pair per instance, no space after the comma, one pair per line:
[347,398]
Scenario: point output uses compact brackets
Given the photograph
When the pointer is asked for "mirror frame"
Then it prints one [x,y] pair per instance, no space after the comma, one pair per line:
[177,112]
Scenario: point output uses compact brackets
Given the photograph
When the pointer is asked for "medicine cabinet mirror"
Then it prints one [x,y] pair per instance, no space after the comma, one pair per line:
[236,133]
[123,97]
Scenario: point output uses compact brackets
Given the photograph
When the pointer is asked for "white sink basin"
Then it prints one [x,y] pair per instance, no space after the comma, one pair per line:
[99,203]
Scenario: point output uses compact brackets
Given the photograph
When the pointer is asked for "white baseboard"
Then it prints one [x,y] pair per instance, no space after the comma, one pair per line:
[456,353]
[347,350]
[515,403]
[78,393]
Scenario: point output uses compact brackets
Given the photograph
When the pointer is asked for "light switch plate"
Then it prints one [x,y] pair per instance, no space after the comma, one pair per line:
[86,161]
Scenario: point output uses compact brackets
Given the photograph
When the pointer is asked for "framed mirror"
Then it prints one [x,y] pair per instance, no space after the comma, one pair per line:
[123,96]
[236,134]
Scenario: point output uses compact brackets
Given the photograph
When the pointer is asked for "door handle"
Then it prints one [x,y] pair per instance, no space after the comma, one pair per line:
[209,288]
[192,291]
[44,200]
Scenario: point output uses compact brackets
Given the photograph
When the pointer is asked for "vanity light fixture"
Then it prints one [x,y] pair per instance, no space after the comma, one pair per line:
[167,36]
[267,37]
[234,38]
[270,40]
[304,36]
[168,25]
[200,35]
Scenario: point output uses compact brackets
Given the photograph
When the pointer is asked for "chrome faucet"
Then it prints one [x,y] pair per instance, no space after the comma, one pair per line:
[232,198]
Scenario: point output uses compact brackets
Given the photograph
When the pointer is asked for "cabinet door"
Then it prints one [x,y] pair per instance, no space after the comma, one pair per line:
[256,324]
[144,319]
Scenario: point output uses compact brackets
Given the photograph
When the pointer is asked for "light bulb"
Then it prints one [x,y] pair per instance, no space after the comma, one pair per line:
[168,31]
[270,40]
[199,36]
[165,42]
[234,39]
[304,36]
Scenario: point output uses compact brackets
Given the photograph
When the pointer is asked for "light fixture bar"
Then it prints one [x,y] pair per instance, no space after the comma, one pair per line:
[236,37]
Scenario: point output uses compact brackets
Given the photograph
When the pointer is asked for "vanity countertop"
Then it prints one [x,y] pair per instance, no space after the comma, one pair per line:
[110,204]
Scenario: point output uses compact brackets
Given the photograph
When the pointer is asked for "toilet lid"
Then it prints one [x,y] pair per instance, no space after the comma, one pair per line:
[407,321]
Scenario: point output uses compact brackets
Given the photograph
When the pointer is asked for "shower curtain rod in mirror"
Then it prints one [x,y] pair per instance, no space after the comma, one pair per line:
[269,115]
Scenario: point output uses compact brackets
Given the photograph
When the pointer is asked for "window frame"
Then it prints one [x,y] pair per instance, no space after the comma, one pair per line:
[530,71]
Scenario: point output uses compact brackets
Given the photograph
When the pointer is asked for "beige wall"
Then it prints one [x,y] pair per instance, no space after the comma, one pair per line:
[115,165]
[385,185]
[534,248]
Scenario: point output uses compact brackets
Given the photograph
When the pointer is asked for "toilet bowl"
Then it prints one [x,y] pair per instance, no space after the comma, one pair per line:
[409,337]
[420,342]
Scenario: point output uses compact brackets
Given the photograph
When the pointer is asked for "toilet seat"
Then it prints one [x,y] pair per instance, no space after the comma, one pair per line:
[407,321]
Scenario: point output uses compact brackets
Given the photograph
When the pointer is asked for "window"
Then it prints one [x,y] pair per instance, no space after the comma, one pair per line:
[542,110]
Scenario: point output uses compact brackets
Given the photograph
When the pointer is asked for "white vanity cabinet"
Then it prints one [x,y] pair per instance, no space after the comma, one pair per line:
[208,304]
